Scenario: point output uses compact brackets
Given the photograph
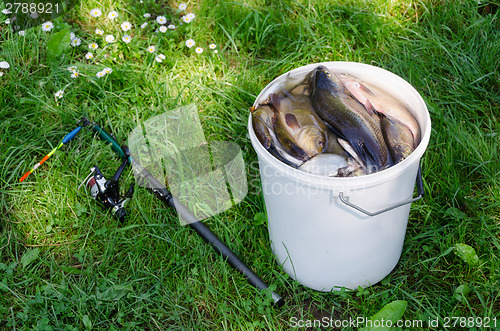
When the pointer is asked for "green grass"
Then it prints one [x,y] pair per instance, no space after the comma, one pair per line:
[66,264]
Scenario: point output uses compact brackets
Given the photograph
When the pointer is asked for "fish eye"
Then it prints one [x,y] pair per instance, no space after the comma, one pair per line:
[327,73]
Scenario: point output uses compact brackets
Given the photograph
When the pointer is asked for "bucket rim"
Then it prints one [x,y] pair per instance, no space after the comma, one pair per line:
[364,181]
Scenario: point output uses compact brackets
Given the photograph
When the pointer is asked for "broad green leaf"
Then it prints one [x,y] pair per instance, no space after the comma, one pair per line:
[467,253]
[387,316]
[30,256]
[58,43]
[259,218]
[87,322]
[115,292]
[461,293]
[455,213]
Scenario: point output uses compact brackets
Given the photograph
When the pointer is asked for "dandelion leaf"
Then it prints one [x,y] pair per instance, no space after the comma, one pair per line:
[461,293]
[392,312]
[58,43]
[30,256]
[467,253]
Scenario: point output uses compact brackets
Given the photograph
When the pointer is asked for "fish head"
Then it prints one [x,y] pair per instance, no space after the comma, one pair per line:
[263,124]
[356,87]
[312,140]
[265,114]
[322,78]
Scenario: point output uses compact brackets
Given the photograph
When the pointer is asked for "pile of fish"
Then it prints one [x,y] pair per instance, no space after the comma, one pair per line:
[335,124]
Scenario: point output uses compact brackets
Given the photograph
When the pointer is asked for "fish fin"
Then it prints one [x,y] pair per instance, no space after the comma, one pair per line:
[292,122]
[365,89]
[275,100]
[350,150]
[370,108]
[300,89]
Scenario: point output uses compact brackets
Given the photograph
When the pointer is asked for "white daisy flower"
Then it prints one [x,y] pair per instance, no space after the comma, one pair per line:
[72,69]
[160,58]
[212,46]
[100,74]
[151,49]
[171,26]
[161,20]
[107,71]
[147,15]
[93,46]
[112,15]
[126,39]
[21,33]
[163,29]
[190,43]
[110,38]
[126,26]
[188,18]
[182,6]
[4,65]
[99,32]
[89,56]
[199,50]
[143,25]
[59,94]
[75,74]
[76,42]
[5,11]
[47,26]
[216,51]
[96,12]
[7,21]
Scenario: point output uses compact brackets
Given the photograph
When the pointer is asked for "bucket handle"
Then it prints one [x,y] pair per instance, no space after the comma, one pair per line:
[420,191]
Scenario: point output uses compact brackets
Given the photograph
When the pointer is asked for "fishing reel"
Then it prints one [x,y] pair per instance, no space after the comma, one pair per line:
[107,192]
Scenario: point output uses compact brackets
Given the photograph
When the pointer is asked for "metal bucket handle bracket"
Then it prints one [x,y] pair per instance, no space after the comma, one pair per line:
[420,190]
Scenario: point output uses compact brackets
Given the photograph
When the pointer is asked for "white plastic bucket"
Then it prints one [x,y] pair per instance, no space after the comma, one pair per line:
[320,241]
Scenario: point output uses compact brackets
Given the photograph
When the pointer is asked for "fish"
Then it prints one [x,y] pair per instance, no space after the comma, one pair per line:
[297,126]
[324,164]
[263,124]
[295,84]
[333,145]
[332,165]
[398,137]
[377,100]
[349,119]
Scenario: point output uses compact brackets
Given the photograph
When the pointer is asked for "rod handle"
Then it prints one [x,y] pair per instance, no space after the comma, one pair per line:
[115,146]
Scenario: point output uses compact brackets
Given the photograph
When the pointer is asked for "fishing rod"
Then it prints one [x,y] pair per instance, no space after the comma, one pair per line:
[107,193]
[145,178]
[84,122]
